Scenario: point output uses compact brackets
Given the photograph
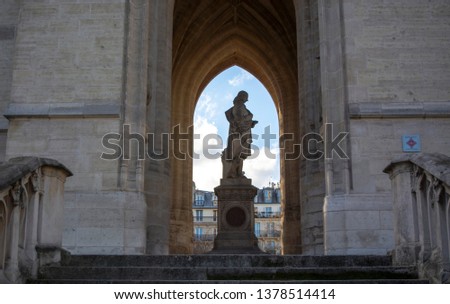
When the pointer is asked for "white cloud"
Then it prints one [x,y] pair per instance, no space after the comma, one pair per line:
[263,168]
[239,79]
[203,126]
[206,106]
[206,172]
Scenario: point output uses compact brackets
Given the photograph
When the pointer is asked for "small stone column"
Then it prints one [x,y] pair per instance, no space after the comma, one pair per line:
[12,271]
[236,220]
[52,215]
[406,242]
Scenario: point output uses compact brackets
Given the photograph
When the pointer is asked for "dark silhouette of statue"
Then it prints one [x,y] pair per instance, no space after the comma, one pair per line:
[239,137]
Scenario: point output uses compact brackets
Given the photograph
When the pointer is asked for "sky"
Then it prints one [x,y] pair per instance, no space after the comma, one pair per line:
[209,118]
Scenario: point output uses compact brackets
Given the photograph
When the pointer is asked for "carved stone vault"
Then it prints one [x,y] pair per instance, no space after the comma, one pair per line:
[261,37]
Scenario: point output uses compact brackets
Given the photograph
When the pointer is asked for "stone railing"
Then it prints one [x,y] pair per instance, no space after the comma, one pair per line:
[267,214]
[31,216]
[263,233]
[421,190]
[205,219]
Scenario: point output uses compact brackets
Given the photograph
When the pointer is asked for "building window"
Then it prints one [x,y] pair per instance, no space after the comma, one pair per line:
[215,215]
[270,229]
[198,232]
[278,196]
[257,229]
[199,215]
[267,211]
[199,199]
[268,196]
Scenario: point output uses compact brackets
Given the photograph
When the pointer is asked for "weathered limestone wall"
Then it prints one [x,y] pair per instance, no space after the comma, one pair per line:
[377,141]
[363,222]
[67,92]
[69,51]
[73,142]
[396,58]
[8,22]
[397,50]
[98,218]
[311,172]
[67,66]
[158,187]
[9,14]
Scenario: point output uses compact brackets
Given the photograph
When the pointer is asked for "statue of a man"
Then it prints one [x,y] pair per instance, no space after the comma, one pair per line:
[239,137]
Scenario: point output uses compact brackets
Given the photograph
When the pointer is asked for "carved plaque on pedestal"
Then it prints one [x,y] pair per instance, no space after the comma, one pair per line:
[236,217]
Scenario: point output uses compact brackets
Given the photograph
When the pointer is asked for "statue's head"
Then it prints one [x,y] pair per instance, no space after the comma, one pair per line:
[241,97]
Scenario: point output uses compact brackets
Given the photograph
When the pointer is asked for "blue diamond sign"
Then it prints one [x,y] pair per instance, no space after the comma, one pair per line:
[411,143]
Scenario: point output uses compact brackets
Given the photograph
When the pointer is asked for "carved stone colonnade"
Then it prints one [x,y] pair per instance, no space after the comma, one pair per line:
[175,48]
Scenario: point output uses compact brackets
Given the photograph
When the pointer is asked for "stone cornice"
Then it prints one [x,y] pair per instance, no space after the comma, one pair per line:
[439,109]
[436,163]
[16,168]
[61,110]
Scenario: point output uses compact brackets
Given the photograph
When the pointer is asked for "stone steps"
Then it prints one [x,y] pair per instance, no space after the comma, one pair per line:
[226,269]
[241,260]
[220,273]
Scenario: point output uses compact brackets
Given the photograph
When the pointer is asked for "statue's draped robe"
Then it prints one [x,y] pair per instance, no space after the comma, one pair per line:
[239,135]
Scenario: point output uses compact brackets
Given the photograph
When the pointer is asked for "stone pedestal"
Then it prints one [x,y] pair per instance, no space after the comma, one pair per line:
[236,219]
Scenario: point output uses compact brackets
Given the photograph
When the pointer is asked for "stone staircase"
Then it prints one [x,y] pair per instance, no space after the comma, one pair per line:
[226,269]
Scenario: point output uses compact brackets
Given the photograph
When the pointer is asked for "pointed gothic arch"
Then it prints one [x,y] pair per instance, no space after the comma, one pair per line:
[209,37]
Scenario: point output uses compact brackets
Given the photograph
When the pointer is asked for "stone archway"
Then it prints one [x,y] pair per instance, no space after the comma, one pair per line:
[261,37]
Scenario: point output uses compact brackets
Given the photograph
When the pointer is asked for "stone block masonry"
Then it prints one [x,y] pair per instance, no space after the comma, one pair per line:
[358,224]
[97,217]
[397,50]
[69,51]
[375,142]
[9,16]
[63,93]
[109,222]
